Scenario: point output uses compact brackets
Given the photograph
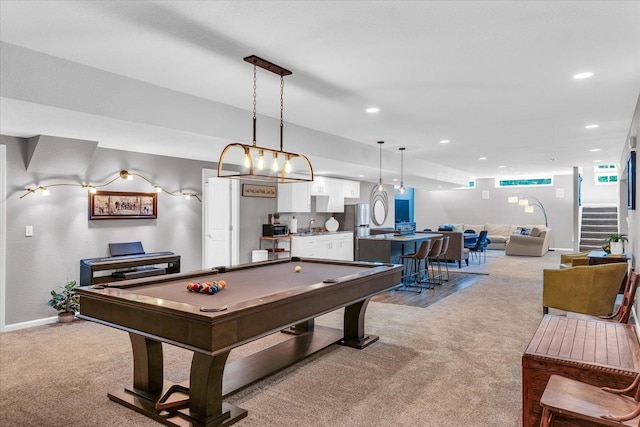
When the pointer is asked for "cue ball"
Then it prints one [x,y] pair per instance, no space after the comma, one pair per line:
[298,269]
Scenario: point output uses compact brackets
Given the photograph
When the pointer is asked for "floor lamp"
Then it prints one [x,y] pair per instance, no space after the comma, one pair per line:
[525,200]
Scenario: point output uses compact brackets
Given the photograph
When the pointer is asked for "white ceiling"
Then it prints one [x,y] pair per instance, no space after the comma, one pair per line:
[493,77]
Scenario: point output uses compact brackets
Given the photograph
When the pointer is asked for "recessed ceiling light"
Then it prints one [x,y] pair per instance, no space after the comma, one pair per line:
[502,166]
[592,126]
[445,141]
[361,176]
[395,179]
[593,150]
[372,110]
[482,158]
[581,76]
[597,161]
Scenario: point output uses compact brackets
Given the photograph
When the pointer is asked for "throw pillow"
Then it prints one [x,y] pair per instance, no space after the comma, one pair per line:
[457,227]
[525,231]
[517,231]
[535,232]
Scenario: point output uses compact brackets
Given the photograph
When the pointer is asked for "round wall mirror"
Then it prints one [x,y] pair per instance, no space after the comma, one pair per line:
[379,206]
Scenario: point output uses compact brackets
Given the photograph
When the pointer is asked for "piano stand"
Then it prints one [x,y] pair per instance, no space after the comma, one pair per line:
[129,266]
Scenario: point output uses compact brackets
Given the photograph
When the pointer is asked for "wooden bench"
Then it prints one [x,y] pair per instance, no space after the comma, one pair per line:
[596,352]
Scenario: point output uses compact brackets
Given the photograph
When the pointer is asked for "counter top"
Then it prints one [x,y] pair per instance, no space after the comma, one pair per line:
[405,238]
[321,233]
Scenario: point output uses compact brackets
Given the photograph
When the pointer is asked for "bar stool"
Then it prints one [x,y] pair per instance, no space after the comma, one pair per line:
[412,263]
[445,248]
[436,248]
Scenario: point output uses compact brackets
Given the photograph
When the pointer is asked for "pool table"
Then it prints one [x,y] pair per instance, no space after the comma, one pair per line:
[259,299]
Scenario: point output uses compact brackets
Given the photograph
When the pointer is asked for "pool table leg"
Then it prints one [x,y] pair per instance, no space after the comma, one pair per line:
[147,364]
[205,391]
[205,405]
[354,335]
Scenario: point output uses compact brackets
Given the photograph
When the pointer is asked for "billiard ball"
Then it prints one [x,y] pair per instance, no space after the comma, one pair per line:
[298,269]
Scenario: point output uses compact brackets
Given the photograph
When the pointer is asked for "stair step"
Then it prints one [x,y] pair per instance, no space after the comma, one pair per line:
[598,222]
[599,209]
[599,216]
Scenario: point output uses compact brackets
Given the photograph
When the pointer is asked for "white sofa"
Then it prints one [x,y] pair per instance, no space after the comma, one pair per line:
[534,244]
[499,234]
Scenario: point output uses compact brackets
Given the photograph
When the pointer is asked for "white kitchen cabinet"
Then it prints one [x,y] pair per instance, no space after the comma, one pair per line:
[338,246]
[351,189]
[305,246]
[333,200]
[294,197]
[319,186]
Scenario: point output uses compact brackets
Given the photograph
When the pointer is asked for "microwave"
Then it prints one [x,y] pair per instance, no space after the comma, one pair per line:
[272,230]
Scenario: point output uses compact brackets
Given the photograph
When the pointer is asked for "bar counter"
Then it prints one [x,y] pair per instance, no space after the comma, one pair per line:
[389,247]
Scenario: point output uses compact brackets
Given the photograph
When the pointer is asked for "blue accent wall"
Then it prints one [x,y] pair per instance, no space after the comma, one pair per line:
[408,195]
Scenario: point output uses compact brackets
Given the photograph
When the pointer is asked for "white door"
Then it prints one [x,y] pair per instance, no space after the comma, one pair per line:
[221,219]
[3,234]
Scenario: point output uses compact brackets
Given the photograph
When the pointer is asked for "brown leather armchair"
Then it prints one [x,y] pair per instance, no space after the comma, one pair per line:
[456,250]
[589,289]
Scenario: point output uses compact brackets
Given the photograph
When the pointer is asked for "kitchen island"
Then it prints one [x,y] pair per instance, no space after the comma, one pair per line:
[389,247]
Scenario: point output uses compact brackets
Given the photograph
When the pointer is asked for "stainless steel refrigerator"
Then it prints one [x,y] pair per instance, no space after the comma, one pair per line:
[355,218]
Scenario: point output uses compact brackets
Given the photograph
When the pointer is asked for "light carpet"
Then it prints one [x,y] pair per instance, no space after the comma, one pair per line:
[457,362]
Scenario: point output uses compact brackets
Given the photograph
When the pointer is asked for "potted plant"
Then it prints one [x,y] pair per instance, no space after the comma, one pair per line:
[276,218]
[66,302]
[616,243]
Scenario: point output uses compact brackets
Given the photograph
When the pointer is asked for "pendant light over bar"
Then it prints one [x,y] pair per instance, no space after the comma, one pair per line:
[402,188]
[251,158]
[380,184]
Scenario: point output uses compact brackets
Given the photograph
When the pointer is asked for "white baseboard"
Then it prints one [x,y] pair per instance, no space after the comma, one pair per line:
[561,249]
[29,324]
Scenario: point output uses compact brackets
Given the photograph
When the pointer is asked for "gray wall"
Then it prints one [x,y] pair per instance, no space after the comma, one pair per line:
[63,235]
[433,208]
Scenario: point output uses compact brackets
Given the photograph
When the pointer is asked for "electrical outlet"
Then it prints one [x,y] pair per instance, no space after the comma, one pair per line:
[28,231]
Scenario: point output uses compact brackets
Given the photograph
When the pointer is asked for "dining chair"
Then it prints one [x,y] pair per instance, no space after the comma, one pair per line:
[480,246]
[566,399]
[623,312]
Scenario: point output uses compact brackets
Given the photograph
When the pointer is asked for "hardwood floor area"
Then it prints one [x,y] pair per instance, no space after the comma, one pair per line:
[457,281]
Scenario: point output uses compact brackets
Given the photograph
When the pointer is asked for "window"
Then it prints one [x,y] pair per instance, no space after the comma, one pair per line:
[524,182]
[471,186]
[605,174]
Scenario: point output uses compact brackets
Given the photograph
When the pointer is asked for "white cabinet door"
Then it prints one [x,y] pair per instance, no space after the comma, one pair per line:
[344,248]
[294,197]
[306,247]
[319,186]
[341,247]
[351,189]
[334,199]
[325,246]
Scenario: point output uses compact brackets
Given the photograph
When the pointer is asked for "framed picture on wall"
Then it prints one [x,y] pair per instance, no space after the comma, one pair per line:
[252,190]
[123,205]
[631,181]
